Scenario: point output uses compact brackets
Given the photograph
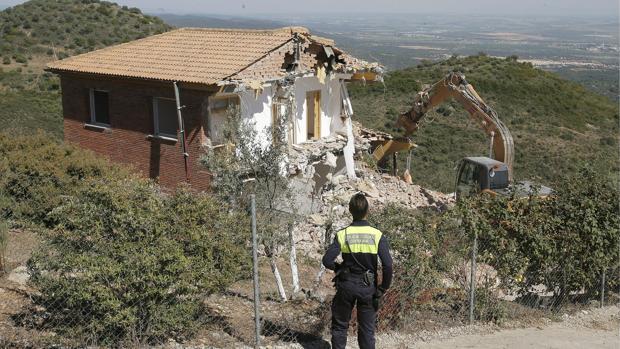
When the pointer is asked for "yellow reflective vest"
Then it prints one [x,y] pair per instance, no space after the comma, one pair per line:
[359,239]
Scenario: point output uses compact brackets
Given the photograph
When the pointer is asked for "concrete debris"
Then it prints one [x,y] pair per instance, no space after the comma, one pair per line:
[327,149]
[330,160]
[380,190]
[320,165]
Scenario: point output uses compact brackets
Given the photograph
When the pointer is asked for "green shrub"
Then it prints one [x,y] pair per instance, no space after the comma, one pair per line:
[563,242]
[36,171]
[126,264]
[21,58]
[6,60]
[423,254]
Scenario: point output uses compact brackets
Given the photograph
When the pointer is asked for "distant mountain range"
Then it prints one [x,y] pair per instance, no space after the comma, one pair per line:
[207,21]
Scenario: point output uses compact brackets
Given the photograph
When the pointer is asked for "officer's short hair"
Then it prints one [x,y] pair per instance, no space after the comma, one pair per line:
[358,206]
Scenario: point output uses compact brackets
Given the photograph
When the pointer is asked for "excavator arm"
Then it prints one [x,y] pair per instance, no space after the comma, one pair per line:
[455,86]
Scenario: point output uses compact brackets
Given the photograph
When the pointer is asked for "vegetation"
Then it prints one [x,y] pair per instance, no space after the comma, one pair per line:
[128,265]
[248,166]
[563,243]
[36,172]
[557,124]
[4,231]
[120,262]
[40,31]
[62,28]
[29,111]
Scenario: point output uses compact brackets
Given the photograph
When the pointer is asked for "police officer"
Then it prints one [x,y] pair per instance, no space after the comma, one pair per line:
[356,276]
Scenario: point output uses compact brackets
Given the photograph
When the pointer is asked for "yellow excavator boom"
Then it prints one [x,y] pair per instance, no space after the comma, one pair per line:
[455,86]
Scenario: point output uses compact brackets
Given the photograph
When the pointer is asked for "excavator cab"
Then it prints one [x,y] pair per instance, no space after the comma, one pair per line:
[480,174]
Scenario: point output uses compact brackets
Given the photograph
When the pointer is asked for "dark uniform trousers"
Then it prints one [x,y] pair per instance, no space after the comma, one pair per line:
[352,292]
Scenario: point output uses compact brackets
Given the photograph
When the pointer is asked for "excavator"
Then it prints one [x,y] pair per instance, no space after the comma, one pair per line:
[475,174]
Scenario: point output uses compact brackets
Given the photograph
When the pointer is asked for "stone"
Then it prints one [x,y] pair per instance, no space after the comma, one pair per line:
[330,160]
[369,189]
[19,275]
[317,219]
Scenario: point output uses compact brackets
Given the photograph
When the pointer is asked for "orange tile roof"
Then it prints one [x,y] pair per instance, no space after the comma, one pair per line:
[193,55]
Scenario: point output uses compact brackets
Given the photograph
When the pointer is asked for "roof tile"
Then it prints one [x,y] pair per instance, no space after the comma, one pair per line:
[194,55]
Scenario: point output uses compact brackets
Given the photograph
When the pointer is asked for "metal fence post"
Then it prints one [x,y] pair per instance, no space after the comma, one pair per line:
[255,272]
[472,281]
[603,289]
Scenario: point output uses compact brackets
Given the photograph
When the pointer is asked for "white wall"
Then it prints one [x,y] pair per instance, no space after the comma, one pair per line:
[257,111]
[330,105]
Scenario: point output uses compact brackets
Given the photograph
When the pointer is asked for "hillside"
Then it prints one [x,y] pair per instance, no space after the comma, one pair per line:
[557,124]
[66,27]
[39,31]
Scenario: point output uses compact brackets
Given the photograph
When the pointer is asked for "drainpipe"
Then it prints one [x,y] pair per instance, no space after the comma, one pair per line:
[182,137]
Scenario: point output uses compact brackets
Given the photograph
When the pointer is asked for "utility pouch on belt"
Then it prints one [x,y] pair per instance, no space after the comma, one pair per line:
[369,278]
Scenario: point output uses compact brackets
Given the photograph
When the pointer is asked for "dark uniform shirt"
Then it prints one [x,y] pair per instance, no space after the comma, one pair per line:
[367,260]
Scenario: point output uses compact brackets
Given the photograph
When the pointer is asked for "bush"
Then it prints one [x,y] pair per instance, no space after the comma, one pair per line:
[127,264]
[35,172]
[423,255]
[21,58]
[563,242]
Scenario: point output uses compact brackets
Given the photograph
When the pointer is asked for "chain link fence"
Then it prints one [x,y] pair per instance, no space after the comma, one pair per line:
[145,298]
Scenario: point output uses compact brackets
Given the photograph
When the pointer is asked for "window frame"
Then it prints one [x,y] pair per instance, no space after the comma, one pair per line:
[316,117]
[219,113]
[156,131]
[223,97]
[92,111]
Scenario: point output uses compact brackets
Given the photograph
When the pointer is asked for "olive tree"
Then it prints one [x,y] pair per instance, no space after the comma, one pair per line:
[254,161]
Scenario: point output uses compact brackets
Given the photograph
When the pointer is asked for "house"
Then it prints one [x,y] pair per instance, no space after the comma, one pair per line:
[120,101]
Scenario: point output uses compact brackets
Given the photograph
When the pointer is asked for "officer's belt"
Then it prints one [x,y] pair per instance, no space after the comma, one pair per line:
[347,271]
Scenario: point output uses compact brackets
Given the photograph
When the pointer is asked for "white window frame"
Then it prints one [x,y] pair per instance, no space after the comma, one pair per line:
[93,116]
[156,120]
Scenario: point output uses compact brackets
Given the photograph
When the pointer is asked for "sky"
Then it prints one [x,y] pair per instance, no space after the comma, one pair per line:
[486,7]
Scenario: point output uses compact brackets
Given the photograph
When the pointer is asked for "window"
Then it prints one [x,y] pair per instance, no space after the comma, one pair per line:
[313,116]
[99,107]
[165,118]
[219,106]
[467,180]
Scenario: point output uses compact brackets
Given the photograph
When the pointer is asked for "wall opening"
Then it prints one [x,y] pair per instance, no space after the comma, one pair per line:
[313,116]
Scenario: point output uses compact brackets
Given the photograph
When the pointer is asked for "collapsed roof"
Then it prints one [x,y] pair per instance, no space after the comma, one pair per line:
[219,56]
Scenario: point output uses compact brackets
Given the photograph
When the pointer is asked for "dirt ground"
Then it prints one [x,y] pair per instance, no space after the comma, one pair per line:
[598,328]
[306,318]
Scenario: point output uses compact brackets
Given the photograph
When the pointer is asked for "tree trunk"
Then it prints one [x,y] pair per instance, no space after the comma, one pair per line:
[293,261]
[319,275]
[276,274]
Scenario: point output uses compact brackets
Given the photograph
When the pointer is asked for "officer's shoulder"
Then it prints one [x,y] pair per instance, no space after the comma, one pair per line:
[375,229]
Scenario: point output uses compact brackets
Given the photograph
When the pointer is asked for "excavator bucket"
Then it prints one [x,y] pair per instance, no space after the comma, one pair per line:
[404,121]
[392,146]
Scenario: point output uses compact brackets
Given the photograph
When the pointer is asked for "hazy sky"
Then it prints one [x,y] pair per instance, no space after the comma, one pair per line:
[249,7]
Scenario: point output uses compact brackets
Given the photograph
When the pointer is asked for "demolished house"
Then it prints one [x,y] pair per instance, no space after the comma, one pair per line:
[161,102]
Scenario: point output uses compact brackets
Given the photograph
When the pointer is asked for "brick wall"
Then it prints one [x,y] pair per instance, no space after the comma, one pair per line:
[131,122]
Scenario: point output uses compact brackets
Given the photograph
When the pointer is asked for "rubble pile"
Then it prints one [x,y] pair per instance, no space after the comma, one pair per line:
[314,152]
[310,153]
[380,190]
[323,188]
